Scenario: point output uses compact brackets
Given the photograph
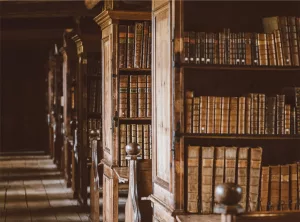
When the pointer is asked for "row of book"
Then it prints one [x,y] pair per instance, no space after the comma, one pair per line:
[94,95]
[278,46]
[139,133]
[135,96]
[280,187]
[208,166]
[135,45]
[254,113]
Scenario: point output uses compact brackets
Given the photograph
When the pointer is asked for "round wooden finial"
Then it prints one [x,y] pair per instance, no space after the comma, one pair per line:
[228,194]
[133,149]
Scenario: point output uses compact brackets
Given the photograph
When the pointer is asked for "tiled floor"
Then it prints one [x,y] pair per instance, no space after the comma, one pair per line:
[32,189]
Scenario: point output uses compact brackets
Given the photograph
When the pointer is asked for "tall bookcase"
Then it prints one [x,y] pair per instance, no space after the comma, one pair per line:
[113,148]
[172,78]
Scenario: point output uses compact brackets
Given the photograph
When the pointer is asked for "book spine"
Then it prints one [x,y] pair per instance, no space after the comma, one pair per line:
[146,141]
[198,47]
[219,165]
[280,114]
[209,48]
[145,44]
[218,114]
[233,114]
[261,113]
[254,49]
[264,189]
[239,48]
[221,48]
[297,22]
[203,114]
[123,143]
[284,31]
[287,119]
[274,188]
[298,169]
[225,115]
[243,49]
[254,113]
[227,47]
[248,102]
[133,96]
[270,115]
[130,46]
[297,104]
[193,178]
[196,114]
[142,87]
[122,45]
[293,121]
[271,49]
[216,49]
[192,47]
[150,140]
[241,115]
[294,187]
[149,51]
[210,114]
[262,49]
[202,47]
[133,133]
[278,47]
[232,49]
[186,47]
[230,164]
[123,96]
[138,47]
[293,40]
[242,173]
[149,97]
[139,138]
[248,48]
[189,95]
[284,187]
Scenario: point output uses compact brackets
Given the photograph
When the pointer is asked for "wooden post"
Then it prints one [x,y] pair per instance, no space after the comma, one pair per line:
[227,196]
[132,210]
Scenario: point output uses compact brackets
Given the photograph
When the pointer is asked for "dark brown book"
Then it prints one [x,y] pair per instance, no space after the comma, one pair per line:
[278,47]
[227,54]
[133,133]
[150,140]
[219,165]
[202,52]
[130,46]
[254,113]
[262,49]
[203,114]
[186,47]
[146,144]
[123,96]
[241,115]
[192,47]
[261,113]
[248,102]
[270,115]
[142,93]
[138,44]
[242,173]
[210,114]
[298,167]
[254,49]
[294,187]
[264,188]
[293,121]
[196,114]
[248,48]
[233,115]
[207,179]
[149,53]
[280,102]
[123,143]
[193,178]
[149,97]
[271,49]
[233,49]
[209,48]
[287,119]
[145,44]
[133,108]
[274,188]
[139,138]
[298,33]
[221,48]
[189,95]
[225,115]
[218,114]
[230,164]
[122,45]
[216,49]
[284,187]
[293,40]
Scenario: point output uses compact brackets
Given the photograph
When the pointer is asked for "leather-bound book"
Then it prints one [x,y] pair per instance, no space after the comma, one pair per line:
[149,97]
[221,48]
[216,49]
[123,96]
[271,49]
[225,115]
[241,115]
[293,40]
[278,47]
[248,102]
[233,114]
[254,177]
[261,113]
[186,47]
[193,179]
[287,119]
[196,114]
[230,164]
[264,188]
[280,23]
[298,168]
[242,173]
[280,102]
[232,49]
[192,46]
[122,45]
[219,165]
[227,54]
[142,93]
[133,133]
[254,49]
[209,48]
[203,114]
[294,187]
[243,48]
[202,52]
[270,115]
[146,141]
[284,187]
[133,108]
[239,48]
[248,48]
[198,47]
[211,114]
[138,47]
[130,46]
[189,95]
[139,137]
[298,33]
[149,48]
[293,121]
[218,114]
[150,140]
[145,44]
[207,179]
[274,187]
[262,49]
[123,143]
[254,113]
[128,134]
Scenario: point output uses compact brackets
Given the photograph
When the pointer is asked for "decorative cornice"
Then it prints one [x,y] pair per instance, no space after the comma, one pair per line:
[79,43]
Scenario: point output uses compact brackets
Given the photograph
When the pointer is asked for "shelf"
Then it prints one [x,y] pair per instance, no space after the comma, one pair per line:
[94,115]
[237,136]
[239,67]
[136,119]
[133,70]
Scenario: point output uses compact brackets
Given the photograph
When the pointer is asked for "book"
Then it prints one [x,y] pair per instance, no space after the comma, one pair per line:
[270,115]
[148,97]
[138,47]
[293,40]
[242,173]
[261,113]
[219,165]
[264,188]
[192,47]
[139,139]
[248,52]
[196,114]
[203,114]
[130,46]
[271,49]
[230,164]
[123,96]
[150,141]
[233,115]
[149,54]
[210,114]
[241,115]
[189,95]
[133,133]
[294,187]
[227,55]
[248,102]
[123,143]
[218,114]
[280,102]
[254,49]
[193,178]
[145,44]
[133,108]
[122,45]
[186,42]
[284,187]
[274,187]
[225,115]
[278,47]
[209,48]
[146,138]
[142,88]
[262,49]
[254,113]
[287,119]
[221,48]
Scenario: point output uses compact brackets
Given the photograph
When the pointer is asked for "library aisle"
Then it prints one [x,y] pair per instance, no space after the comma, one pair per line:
[33,189]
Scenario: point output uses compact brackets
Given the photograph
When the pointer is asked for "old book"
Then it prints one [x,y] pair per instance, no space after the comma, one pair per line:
[233,115]
[193,179]
[271,49]
[123,143]
[254,49]
[150,141]
[293,121]
[261,113]
[293,40]
[287,119]
[233,49]
[225,115]
[284,187]
[274,187]
[219,165]
[149,97]
[189,95]
[262,49]
[298,33]
[142,93]
[196,114]
[270,115]
[146,144]
[209,48]
[264,188]
[130,46]
[145,44]
[216,49]
[230,164]
[133,133]
[186,47]
[207,179]
[139,137]
[294,187]
[218,114]
[248,38]
[242,173]
[128,134]
[241,115]
[227,46]
[278,47]
[202,52]
[280,102]
[149,53]
[221,46]
[254,113]
[203,114]
[210,114]
[192,47]
[123,96]
[122,45]
[254,177]
[138,47]
[298,168]
[133,108]
[248,102]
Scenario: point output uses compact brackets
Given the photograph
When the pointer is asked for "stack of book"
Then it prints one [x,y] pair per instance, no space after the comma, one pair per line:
[279,45]
[254,113]
[135,96]
[135,45]
[209,166]
[280,187]
[139,133]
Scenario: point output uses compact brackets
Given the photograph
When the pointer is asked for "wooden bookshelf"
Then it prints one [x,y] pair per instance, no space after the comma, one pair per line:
[172,77]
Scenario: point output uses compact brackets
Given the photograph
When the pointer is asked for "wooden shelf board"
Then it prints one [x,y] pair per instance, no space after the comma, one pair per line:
[237,136]
[134,119]
[134,70]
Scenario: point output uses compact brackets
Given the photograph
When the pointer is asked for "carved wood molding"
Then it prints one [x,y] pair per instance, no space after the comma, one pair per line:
[78,43]
[91,3]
